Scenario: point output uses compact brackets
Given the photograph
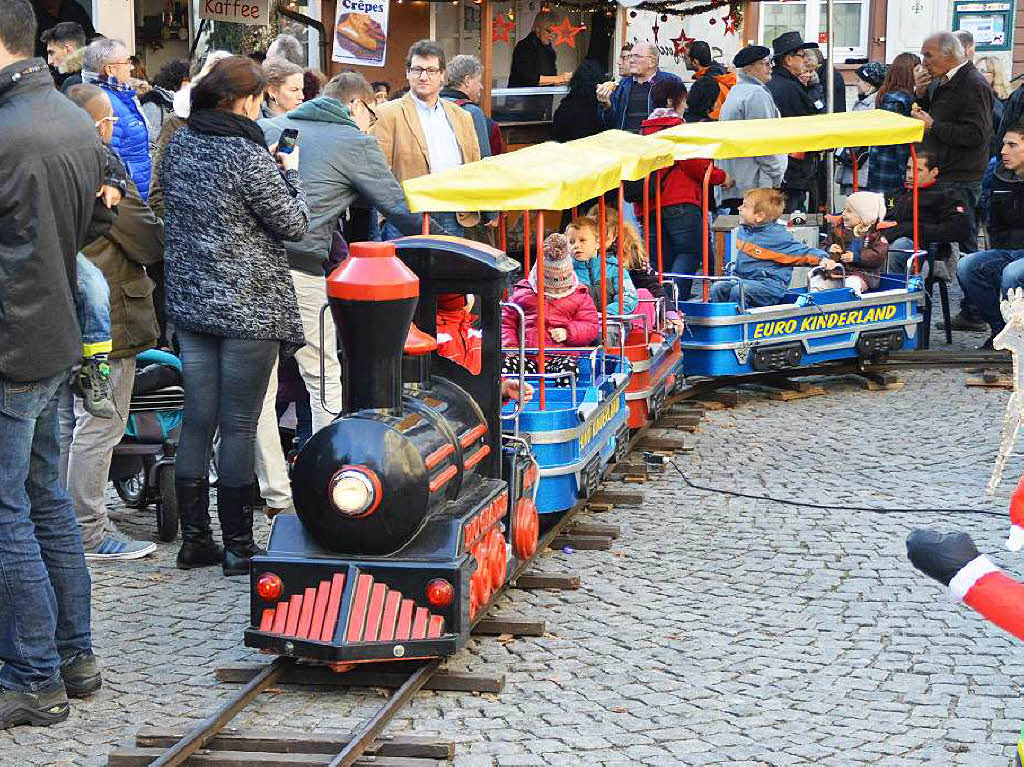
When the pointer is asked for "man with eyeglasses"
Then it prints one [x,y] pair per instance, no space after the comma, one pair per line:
[792,99]
[107,66]
[630,103]
[422,133]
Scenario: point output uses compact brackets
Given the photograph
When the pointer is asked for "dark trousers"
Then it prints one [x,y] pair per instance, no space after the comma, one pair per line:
[225,382]
[971,190]
[681,251]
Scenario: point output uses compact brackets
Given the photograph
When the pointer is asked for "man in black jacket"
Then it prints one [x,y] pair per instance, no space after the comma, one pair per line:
[987,276]
[941,212]
[53,167]
[790,95]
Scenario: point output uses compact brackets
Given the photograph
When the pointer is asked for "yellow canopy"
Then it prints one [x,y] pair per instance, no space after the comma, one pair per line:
[750,138]
[540,177]
[639,155]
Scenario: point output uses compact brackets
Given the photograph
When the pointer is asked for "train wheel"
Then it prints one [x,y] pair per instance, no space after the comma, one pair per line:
[482,553]
[498,559]
[526,529]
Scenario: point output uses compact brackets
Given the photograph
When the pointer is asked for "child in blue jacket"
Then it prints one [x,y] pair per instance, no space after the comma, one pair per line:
[766,252]
[584,244]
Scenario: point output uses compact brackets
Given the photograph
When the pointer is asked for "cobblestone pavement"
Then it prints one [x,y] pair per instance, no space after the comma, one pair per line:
[718,631]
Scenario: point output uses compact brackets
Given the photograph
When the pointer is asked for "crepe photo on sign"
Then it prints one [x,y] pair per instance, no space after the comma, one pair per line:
[361,32]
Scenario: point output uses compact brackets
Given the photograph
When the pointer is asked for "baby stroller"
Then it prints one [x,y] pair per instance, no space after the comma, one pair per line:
[142,468]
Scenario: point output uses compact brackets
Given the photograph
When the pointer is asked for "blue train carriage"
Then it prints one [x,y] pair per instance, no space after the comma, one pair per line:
[412,508]
[581,426]
[808,327]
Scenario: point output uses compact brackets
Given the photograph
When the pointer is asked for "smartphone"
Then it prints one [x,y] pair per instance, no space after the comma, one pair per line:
[286,143]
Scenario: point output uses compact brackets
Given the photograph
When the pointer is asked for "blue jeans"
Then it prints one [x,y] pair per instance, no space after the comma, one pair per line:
[986,276]
[225,382]
[681,245]
[755,292]
[897,263]
[448,221]
[92,300]
[45,588]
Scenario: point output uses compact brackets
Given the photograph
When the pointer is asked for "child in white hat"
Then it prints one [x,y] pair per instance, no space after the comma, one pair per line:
[857,241]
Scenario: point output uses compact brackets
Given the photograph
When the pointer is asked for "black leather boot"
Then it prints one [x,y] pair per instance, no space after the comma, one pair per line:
[234,508]
[198,549]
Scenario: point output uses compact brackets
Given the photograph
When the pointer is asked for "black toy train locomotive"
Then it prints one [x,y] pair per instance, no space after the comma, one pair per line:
[412,508]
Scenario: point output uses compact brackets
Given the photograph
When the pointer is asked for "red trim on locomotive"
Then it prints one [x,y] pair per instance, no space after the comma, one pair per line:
[473,435]
[478,456]
[438,455]
[442,479]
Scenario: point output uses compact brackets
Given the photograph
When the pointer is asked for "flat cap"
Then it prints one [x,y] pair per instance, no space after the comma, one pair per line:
[750,54]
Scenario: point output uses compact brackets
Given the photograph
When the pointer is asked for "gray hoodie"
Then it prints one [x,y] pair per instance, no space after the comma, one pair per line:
[750,100]
[339,164]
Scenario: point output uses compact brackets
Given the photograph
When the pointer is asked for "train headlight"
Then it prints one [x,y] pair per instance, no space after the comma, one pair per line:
[355,491]
[269,587]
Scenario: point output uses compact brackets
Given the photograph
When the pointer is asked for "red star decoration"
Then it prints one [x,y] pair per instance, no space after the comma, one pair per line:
[501,29]
[566,33]
[730,25]
[681,43]
[655,29]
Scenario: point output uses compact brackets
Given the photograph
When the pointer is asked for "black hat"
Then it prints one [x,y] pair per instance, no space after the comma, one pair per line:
[749,55]
[789,42]
[872,73]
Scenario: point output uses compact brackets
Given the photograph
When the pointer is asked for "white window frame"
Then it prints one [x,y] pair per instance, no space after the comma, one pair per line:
[815,18]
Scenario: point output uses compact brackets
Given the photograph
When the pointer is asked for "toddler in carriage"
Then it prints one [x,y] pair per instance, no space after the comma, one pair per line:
[570,317]
[857,243]
[766,252]
[584,241]
[637,265]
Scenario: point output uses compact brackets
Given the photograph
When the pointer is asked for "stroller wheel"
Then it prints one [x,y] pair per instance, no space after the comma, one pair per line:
[167,506]
[132,490]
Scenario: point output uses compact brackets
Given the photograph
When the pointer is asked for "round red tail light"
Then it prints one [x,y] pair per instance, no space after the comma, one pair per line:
[269,586]
[440,593]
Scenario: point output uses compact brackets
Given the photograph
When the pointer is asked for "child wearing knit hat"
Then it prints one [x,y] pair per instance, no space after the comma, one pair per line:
[570,317]
[857,242]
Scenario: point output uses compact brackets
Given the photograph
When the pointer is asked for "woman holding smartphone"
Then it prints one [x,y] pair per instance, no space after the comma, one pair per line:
[229,205]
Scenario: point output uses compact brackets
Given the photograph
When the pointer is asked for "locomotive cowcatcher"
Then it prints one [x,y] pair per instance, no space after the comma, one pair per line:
[412,510]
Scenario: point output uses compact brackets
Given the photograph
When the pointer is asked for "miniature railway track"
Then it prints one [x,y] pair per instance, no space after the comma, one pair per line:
[212,743]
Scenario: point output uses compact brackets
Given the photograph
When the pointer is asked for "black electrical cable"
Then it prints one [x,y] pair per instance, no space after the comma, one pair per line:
[833,506]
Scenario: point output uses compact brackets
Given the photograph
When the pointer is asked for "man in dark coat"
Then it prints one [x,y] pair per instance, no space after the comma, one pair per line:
[53,168]
[955,104]
[790,95]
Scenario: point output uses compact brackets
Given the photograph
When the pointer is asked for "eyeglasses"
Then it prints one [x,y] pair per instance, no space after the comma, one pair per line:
[420,71]
[102,120]
[116,63]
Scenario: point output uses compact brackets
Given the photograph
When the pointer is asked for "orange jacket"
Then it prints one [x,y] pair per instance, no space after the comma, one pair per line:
[725,80]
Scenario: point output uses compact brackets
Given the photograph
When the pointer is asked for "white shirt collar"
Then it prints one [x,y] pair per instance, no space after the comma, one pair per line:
[954,70]
[423,104]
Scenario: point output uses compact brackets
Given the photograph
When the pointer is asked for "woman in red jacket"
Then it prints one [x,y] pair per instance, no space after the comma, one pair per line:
[682,197]
[570,317]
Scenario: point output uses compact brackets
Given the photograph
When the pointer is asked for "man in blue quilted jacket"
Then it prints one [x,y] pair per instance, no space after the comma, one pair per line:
[106,65]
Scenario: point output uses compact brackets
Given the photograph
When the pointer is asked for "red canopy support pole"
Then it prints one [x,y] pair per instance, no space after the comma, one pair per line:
[486,54]
[913,157]
[657,221]
[526,243]
[426,223]
[705,229]
[602,244]
[542,330]
[503,232]
[622,247]
[856,162]
[647,218]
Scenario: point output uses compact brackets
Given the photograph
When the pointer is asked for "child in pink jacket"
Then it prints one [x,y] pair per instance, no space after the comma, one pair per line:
[570,317]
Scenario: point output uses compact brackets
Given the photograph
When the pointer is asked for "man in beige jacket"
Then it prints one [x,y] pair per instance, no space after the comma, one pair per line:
[422,133]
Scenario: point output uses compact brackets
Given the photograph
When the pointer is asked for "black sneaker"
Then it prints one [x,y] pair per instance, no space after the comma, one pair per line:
[82,675]
[987,346]
[39,709]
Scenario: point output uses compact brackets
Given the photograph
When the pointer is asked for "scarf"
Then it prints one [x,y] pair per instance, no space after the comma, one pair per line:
[220,122]
[323,109]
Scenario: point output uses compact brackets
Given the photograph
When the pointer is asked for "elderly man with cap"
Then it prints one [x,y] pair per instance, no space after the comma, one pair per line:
[749,99]
[792,99]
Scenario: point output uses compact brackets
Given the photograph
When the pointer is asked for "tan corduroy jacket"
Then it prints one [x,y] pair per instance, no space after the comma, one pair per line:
[401,139]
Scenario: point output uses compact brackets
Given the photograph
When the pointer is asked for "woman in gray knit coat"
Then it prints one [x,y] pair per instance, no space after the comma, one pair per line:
[229,205]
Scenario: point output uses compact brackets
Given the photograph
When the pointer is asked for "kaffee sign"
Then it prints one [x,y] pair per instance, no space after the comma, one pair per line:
[253,12]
